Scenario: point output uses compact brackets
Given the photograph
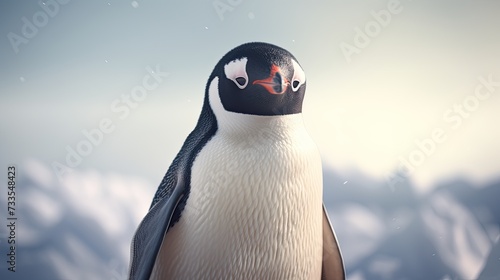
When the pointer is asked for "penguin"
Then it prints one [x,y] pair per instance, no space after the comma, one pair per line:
[243,197]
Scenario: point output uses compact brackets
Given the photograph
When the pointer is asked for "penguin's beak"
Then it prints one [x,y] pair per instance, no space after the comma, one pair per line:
[275,83]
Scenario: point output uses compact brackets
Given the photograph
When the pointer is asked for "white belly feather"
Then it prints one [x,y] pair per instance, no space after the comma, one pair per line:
[254,210]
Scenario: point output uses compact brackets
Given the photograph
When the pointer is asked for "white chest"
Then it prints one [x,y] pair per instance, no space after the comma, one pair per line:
[254,210]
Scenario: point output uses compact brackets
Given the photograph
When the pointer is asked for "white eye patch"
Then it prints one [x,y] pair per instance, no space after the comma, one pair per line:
[299,77]
[236,72]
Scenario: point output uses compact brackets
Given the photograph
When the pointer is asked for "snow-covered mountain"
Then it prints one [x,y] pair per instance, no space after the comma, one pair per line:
[81,228]
[76,229]
[393,233]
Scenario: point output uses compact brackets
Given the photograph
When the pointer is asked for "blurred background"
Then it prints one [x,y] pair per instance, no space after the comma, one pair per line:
[403,101]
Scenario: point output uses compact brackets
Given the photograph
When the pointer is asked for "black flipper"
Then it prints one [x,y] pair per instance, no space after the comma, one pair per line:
[333,265]
[149,235]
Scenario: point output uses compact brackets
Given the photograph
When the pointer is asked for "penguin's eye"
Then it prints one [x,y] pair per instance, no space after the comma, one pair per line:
[241,81]
[299,77]
[236,72]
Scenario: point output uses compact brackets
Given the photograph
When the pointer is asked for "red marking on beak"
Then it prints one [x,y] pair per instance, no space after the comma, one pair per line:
[275,83]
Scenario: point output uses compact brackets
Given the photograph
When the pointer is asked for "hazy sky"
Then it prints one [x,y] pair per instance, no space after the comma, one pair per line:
[382,76]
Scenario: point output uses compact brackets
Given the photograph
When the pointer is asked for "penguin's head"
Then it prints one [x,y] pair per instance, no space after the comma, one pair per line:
[258,79]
